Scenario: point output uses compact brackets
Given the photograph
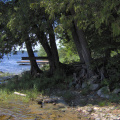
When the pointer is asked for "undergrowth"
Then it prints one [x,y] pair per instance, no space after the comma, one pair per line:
[28,83]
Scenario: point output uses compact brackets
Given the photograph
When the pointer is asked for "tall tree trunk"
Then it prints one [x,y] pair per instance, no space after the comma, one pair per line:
[53,47]
[77,43]
[85,51]
[43,40]
[34,67]
[47,49]
[83,44]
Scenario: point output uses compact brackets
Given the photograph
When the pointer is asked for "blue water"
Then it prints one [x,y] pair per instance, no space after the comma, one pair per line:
[9,63]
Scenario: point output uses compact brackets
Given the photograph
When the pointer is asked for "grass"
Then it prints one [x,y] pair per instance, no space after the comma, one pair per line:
[104,103]
[32,86]
[6,96]
[43,85]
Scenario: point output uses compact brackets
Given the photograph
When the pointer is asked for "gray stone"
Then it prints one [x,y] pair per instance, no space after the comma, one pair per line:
[72,84]
[104,92]
[50,100]
[93,79]
[90,109]
[84,85]
[94,86]
[97,119]
[77,86]
[115,91]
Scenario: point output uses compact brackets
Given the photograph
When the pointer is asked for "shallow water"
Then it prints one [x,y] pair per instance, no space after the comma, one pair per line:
[17,110]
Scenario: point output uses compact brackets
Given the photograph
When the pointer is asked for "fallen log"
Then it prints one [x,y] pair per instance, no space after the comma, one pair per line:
[17,93]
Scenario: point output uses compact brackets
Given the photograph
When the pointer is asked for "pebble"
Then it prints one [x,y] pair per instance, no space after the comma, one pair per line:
[97,119]
[98,113]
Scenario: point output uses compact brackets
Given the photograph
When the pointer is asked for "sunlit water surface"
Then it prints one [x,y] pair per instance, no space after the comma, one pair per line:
[9,63]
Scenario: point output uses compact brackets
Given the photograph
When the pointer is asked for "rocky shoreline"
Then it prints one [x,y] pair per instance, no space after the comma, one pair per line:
[79,104]
[56,108]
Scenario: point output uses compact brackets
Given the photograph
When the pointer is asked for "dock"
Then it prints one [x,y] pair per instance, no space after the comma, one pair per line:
[28,62]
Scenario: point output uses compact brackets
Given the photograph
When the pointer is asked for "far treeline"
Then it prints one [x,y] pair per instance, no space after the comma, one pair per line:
[88,29]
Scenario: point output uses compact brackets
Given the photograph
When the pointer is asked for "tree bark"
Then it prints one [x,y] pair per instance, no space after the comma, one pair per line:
[53,47]
[85,51]
[47,49]
[84,46]
[34,67]
[77,43]
[43,40]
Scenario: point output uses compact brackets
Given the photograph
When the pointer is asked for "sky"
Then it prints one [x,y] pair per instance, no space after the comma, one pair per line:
[37,47]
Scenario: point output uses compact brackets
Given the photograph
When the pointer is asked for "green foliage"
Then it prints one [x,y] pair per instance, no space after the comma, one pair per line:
[114,98]
[85,91]
[67,52]
[42,51]
[105,82]
[113,70]
[45,67]
[104,103]
[26,82]
[67,55]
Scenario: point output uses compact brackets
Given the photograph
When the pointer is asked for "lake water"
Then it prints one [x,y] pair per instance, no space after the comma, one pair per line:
[9,63]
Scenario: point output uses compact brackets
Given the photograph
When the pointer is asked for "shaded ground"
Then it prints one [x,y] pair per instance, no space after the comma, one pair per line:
[78,107]
[70,105]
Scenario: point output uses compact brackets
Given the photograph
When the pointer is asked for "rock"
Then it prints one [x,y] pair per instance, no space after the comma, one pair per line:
[72,84]
[84,85]
[90,109]
[96,108]
[54,100]
[116,91]
[104,92]
[40,101]
[77,86]
[54,103]
[94,86]
[93,79]
[97,119]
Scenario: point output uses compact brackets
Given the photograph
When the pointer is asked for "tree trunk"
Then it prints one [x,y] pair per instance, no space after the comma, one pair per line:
[84,46]
[85,51]
[47,49]
[34,67]
[43,40]
[77,43]
[107,53]
[54,47]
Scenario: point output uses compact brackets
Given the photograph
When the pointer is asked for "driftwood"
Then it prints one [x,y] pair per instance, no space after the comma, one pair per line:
[17,93]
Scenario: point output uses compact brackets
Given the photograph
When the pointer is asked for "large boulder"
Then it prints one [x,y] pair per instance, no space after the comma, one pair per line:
[104,92]
[116,91]
[94,87]
[78,86]
[93,79]
[84,85]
